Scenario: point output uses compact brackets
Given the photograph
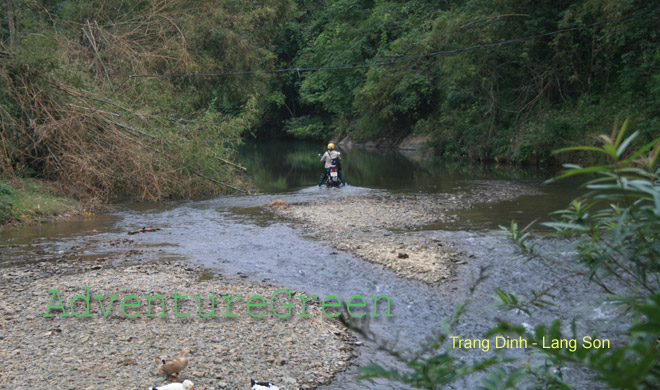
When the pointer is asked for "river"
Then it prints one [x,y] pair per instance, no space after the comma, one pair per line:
[235,236]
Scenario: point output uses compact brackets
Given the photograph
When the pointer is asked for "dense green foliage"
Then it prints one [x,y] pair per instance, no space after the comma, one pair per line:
[614,230]
[516,101]
[369,69]
[71,114]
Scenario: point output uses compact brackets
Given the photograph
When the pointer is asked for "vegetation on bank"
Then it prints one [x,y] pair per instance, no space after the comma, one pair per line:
[148,98]
[614,232]
[485,79]
[71,113]
[23,200]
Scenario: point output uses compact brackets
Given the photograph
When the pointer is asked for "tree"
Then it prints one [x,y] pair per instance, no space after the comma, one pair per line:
[12,27]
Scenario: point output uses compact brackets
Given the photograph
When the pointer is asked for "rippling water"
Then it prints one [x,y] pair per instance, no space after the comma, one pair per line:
[233,234]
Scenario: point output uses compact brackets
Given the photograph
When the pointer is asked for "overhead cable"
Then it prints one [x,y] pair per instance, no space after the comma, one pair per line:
[389,61]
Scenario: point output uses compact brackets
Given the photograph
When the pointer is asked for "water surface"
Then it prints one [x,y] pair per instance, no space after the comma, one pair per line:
[289,167]
[235,236]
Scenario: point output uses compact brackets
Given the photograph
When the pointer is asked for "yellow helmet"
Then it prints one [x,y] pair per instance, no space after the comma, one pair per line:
[331,146]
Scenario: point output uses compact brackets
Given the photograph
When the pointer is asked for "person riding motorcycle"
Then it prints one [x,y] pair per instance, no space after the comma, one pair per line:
[328,156]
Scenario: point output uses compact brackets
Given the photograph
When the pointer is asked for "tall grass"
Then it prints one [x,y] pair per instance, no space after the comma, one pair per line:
[72,114]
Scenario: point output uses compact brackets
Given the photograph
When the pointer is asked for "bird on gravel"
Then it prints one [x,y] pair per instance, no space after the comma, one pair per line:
[263,385]
[173,365]
[186,385]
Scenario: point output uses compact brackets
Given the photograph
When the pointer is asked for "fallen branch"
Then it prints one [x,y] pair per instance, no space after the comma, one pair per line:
[131,128]
[57,161]
[231,163]
[89,109]
[89,38]
[195,173]
[221,183]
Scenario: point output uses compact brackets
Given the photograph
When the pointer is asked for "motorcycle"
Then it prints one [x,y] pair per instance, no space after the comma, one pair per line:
[332,174]
[332,179]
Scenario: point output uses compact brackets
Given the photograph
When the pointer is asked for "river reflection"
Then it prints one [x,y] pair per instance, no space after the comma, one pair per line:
[235,235]
[286,167]
[289,166]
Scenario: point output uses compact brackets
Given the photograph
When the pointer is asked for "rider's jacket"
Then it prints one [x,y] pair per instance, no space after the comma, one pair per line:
[328,156]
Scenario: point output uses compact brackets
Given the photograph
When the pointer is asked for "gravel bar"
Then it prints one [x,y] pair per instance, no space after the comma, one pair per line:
[111,349]
[383,229]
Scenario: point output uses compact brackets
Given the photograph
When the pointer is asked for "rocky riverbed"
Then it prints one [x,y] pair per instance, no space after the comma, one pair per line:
[117,349]
[383,228]
[116,344]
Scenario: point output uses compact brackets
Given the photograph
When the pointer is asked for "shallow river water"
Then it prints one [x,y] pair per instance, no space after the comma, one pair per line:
[235,236]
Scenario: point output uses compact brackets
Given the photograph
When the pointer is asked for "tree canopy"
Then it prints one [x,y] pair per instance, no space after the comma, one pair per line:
[144,96]
[484,78]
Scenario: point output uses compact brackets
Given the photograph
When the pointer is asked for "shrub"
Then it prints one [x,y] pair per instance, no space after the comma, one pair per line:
[614,230]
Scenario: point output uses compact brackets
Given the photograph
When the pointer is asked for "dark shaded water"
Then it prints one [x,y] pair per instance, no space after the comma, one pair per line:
[285,167]
[233,235]
[290,166]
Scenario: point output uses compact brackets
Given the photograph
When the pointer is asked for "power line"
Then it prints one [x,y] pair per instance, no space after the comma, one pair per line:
[383,62]
[516,40]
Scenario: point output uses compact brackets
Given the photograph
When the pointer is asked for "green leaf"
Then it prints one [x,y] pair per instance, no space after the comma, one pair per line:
[619,136]
[581,149]
[621,149]
[580,171]
[643,150]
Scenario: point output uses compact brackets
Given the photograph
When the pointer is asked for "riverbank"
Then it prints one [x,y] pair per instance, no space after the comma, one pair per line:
[26,201]
[382,229]
[413,142]
[112,349]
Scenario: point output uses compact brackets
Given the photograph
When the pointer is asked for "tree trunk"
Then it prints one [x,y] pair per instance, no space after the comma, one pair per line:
[12,27]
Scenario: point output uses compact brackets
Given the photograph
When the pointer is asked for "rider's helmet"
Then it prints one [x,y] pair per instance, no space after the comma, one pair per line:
[331,146]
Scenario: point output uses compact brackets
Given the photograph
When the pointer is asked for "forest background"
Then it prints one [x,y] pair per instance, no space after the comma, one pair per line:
[148,99]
